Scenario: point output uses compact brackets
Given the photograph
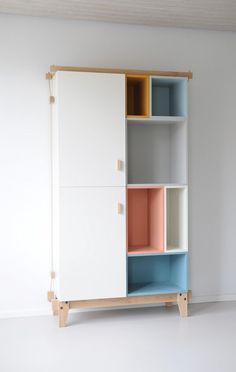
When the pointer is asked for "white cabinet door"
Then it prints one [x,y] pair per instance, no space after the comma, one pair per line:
[92,247]
[91,122]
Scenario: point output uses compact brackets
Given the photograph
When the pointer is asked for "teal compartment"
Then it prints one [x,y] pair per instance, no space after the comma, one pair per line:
[169,96]
[150,275]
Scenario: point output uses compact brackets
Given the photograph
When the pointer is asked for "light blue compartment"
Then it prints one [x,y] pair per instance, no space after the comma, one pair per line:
[169,96]
[150,275]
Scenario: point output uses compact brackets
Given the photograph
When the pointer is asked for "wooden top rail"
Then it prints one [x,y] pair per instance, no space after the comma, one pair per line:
[54,69]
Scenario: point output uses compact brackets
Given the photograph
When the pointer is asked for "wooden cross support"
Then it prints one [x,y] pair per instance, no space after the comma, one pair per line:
[61,308]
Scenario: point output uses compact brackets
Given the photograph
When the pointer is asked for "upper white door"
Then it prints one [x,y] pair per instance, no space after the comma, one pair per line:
[92,246]
[90,111]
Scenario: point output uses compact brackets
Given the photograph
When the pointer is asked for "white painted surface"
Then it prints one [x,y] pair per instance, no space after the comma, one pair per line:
[28,47]
[102,341]
[92,246]
[89,139]
[91,119]
[205,14]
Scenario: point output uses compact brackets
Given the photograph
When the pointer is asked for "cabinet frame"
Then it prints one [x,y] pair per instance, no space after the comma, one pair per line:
[61,308]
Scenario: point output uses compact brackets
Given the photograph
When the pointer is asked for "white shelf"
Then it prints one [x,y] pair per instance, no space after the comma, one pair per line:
[172,250]
[153,185]
[156,120]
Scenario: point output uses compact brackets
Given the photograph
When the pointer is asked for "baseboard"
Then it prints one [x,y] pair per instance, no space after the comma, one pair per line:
[47,310]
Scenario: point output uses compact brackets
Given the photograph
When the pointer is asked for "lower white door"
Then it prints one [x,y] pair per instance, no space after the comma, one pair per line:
[92,243]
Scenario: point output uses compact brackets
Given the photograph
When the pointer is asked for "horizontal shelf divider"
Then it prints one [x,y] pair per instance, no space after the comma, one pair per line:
[156,120]
[155,185]
[164,253]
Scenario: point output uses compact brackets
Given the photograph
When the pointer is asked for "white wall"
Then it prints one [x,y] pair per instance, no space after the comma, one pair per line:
[27,47]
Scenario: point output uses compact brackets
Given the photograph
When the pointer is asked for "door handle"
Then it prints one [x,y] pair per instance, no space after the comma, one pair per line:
[119,208]
[119,165]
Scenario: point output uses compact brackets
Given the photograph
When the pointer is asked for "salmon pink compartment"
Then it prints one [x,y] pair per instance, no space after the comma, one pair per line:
[145,220]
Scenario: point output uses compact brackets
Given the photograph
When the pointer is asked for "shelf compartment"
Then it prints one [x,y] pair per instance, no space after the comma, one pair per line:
[137,95]
[157,154]
[169,96]
[150,275]
[176,218]
[145,220]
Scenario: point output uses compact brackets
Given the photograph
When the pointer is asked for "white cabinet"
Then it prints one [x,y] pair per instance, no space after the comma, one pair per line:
[90,115]
[92,247]
[99,253]
[89,228]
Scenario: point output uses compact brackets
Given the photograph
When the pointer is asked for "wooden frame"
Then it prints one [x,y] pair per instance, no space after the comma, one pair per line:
[55,68]
[61,308]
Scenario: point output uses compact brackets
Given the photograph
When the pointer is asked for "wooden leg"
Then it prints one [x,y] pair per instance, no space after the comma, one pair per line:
[51,296]
[63,313]
[55,305]
[182,301]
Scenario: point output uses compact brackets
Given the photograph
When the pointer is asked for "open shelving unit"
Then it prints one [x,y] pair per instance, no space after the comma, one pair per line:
[135,202]
[157,190]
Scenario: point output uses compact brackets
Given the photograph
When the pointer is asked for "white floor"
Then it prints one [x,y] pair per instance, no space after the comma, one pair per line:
[151,339]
